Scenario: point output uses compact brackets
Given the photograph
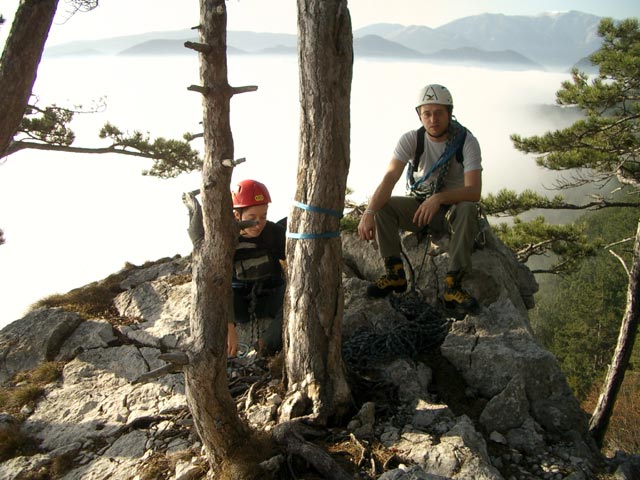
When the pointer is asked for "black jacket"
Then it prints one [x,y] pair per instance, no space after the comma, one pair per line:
[257,259]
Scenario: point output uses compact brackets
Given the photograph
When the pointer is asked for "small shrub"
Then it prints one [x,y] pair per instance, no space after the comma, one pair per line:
[61,465]
[92,301]
[155,467]
[623,432]
[43,374]
[28,386]
[14,443]
[349,223]
[176,280]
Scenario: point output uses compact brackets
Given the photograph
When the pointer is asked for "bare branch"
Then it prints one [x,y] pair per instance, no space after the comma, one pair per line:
[248,88]
[22,145]
[198,47]
[624,265]
[625,240]
[157,373]
[177,358]
[199,89]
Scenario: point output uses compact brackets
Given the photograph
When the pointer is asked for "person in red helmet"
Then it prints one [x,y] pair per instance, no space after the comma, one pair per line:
[258,279]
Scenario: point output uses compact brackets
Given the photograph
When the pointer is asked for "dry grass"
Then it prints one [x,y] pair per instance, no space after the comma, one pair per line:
[96,299]
[41,375]
[14,443]
[26,388]
[91,301]
[163,465]
[624,428]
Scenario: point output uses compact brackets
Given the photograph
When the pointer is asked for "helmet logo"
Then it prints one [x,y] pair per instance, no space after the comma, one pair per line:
[259,197]
[430,94]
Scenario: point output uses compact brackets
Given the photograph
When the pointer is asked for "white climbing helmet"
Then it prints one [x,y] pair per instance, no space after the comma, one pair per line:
[434,93]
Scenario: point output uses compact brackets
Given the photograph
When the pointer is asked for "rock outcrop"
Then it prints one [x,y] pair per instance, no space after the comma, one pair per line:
[489,403]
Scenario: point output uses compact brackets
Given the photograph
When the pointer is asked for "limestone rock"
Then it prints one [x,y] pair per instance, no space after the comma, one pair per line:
[113,427]
[96,399]
[163,309]
[89,335]
[19,467]
[508,409]
[36,338]
[160,269]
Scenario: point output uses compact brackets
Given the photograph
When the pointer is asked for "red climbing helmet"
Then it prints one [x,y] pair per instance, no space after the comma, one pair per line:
[249,193]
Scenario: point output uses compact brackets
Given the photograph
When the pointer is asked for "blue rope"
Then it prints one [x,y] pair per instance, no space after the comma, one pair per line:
[311,208]
[312,236]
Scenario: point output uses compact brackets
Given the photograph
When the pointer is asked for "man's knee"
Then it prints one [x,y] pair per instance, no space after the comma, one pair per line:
[466,210]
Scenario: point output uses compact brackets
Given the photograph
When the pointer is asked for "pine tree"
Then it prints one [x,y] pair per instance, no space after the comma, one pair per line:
[601,149]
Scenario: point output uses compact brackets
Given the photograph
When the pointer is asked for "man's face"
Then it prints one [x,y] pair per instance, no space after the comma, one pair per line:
[435,119]
[257,213]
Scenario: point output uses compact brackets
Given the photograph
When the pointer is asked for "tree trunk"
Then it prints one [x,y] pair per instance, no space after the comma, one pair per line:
[213,409]
[620,361]
[19,63]
[314,300]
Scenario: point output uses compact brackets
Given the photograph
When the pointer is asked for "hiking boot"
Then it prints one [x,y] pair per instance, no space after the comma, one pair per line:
[455,297]
[395,280]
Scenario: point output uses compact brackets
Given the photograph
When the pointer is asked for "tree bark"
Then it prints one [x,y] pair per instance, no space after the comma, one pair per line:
[19,63]
[620,361]
[317,387]
[213,409]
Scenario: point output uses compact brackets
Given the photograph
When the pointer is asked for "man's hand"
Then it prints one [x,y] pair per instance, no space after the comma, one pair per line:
[367,227]
[427,210]
[232,340]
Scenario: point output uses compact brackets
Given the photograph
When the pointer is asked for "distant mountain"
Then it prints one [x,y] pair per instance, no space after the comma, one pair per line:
[157,47]
[166,47]
[424,39]
[586,65]
[255,41]
[549,39]
[473,56]
[115,45]
[277,50]
[556,40]
[376,46]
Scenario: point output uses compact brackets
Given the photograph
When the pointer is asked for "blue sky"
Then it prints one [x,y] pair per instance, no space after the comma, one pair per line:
[126,17]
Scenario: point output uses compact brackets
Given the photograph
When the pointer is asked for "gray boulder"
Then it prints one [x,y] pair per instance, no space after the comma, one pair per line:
[36,338]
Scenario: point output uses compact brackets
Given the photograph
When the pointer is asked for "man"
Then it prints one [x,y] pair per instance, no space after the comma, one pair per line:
[444,185]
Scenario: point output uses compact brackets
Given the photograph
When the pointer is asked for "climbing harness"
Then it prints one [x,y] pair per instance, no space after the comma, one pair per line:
[419,188]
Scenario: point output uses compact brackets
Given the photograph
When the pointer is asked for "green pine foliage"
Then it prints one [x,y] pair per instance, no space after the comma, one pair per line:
[171,157]
[578,316]
[607,140]
[49,128]
[579,313]
[48,125]
[567,243]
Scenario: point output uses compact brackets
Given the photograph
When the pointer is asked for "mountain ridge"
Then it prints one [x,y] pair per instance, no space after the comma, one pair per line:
[541,41]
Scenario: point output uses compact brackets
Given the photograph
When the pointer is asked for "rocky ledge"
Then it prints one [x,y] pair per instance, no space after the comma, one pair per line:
[480,400]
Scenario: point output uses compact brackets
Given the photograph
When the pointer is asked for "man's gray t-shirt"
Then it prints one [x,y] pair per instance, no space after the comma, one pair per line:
[406,150]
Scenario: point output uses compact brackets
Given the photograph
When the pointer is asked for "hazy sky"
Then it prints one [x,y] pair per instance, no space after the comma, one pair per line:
[125,17]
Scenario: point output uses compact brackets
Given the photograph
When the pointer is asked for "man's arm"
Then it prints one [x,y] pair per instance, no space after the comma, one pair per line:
[367,226]
[469,193]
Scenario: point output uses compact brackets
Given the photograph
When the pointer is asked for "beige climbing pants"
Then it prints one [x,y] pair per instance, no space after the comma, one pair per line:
[460,221]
